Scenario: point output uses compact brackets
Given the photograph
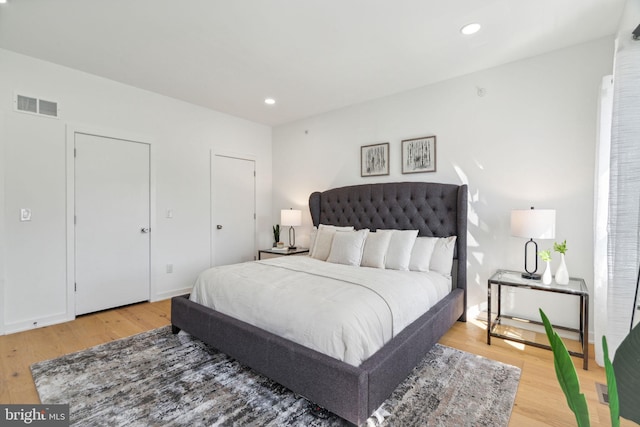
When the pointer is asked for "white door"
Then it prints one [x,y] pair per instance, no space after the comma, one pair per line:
[232,210]
[112,235]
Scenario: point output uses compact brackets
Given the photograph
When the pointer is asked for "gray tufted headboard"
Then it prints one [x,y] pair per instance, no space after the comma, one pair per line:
[435,209]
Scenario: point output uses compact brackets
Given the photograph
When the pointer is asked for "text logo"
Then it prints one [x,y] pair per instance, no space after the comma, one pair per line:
[34,415]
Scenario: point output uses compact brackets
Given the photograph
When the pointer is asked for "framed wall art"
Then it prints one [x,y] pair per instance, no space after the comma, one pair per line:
[419,155]
[374,159]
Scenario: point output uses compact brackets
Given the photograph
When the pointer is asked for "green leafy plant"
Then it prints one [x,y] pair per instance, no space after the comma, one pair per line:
[626,364]
[566,373]
[612,387]
[545,255]
[560,247]
[276,233]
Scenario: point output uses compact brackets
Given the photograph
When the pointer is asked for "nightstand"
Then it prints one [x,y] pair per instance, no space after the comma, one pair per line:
[505,327]
[271,253]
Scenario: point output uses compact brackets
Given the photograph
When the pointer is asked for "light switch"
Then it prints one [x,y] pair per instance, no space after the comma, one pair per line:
[169,213]
[169,268]
[25,214]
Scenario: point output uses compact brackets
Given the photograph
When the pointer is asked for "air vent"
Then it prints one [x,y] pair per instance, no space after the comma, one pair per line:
[27,104]
[48,108]
[603,393]
[32,105]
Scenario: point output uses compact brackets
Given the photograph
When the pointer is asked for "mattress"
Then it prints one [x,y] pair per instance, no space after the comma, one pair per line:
[342,311]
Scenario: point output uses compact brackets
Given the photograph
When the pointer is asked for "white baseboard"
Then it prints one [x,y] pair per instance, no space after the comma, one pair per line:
[25,325]
[170,294]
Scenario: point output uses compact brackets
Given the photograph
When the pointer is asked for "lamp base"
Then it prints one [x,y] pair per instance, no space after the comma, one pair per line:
[292,238]
[531,276]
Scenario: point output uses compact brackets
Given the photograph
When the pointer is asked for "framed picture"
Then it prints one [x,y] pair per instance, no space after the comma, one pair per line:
[419,155]
[374,159]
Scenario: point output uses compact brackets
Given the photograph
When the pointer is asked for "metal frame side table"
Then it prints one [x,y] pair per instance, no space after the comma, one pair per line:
[514,279]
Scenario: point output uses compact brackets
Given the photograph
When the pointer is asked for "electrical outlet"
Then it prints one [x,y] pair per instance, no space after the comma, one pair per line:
[169,268]
[25,214]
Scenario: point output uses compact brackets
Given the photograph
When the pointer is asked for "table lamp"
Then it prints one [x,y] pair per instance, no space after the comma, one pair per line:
[291,218]
[533,224]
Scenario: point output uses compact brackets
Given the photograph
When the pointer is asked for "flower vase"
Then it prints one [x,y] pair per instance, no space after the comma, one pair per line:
[546,277]
[562,275]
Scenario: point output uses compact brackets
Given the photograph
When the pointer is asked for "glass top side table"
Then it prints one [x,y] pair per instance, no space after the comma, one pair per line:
[285,252]
[576,286]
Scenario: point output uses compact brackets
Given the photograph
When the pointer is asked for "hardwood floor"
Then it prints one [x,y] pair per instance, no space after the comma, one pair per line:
[539,400]
[19,351]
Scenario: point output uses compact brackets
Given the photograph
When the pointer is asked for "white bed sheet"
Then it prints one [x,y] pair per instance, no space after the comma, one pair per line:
[346,312]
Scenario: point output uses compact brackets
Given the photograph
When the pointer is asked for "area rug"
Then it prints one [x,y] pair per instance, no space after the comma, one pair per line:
[157,378]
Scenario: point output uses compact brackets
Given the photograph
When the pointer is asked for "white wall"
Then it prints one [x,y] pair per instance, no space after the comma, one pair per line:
[32,157]
[529,141]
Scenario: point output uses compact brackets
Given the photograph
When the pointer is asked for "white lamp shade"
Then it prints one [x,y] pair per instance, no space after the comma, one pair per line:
[290,217]
[533,223]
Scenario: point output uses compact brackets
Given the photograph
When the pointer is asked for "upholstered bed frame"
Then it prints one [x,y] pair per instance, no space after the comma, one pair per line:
[351,392]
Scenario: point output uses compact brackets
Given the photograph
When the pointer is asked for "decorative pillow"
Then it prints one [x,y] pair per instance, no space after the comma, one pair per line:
[421,253]
[399,251]
[324,238]
[375,250]
[312,238]
[442,257]
[347,247]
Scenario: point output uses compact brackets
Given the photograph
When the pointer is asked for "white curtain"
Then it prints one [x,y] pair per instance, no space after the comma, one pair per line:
[601,186]
[613,308]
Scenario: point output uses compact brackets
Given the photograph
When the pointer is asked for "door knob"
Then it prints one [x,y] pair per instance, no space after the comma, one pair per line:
[219,227]
[145,230]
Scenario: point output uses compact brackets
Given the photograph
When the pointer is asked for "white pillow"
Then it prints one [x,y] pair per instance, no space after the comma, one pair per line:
[421,253]
[442,257]
[347,247]
[399,251]
[312,238]
[375,250]
[324,238]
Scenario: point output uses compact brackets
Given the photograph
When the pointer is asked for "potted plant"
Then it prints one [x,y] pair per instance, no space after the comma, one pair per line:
[276,235]
[623,377]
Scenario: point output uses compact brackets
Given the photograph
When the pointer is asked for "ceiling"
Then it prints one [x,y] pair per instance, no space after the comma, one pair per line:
[311,56]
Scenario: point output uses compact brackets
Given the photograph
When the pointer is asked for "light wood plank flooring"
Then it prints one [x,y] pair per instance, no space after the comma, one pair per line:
[539,400]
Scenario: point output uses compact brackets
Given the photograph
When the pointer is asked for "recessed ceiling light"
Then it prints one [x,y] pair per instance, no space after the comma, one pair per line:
[469,29]
[3,1]
[269,101]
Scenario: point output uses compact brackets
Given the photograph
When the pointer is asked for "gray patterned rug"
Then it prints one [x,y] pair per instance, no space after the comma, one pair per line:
[157,378]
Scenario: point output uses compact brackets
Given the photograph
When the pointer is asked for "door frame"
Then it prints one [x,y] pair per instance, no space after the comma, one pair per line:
[3,239]
[71,130]
[247,157]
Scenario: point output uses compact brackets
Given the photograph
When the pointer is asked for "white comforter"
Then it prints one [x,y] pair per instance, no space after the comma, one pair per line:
[345,312]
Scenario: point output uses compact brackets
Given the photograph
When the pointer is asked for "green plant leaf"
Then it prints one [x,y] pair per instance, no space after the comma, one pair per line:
[566,373]
[560,247]
[545,255]
[626,364]
[612,388]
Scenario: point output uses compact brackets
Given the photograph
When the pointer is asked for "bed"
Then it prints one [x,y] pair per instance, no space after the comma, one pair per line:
[352,392]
